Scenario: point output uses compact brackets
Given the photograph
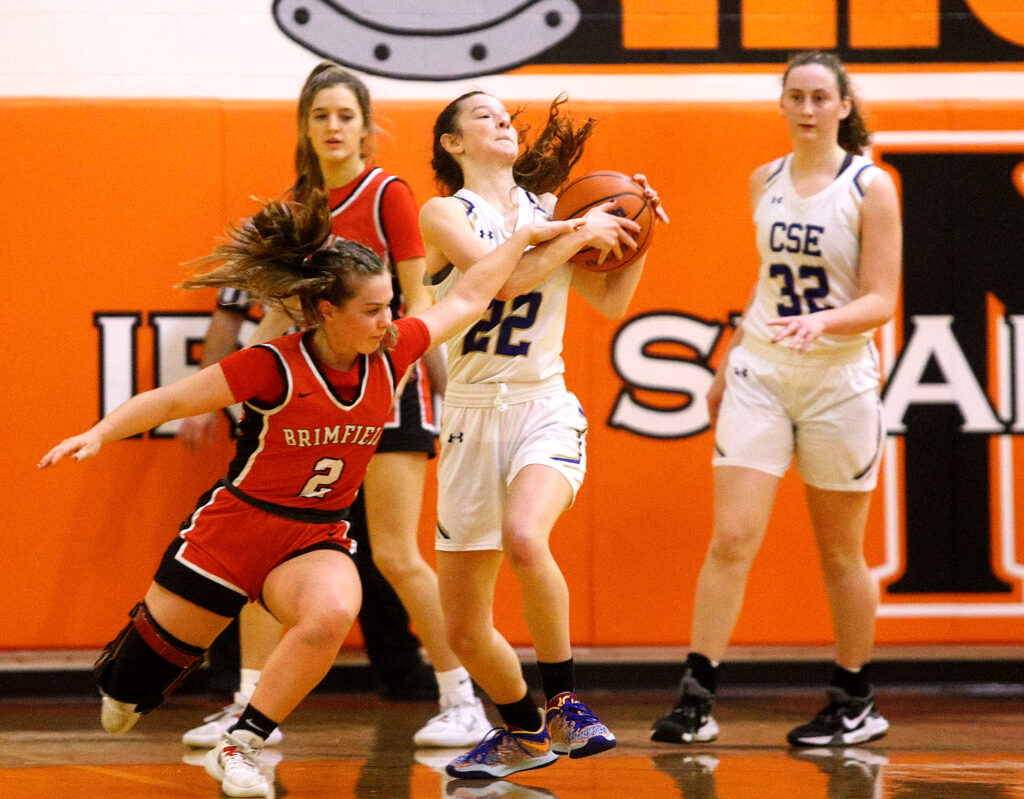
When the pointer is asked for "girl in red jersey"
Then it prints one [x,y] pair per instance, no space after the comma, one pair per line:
[334,151]
[274,529]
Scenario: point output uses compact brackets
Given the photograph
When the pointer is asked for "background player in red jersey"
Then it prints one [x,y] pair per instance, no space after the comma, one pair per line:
[273,530]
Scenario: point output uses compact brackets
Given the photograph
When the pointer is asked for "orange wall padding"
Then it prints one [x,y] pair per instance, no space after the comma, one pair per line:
[105,200]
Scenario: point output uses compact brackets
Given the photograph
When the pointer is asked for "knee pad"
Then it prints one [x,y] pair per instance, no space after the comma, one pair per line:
[144,663]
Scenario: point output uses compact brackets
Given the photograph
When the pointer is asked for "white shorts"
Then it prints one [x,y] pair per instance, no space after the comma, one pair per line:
[483,448]
[828,415]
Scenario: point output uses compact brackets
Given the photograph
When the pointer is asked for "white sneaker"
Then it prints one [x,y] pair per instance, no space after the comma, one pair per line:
[209,734]
[117,717]
[234,762]
[455,726]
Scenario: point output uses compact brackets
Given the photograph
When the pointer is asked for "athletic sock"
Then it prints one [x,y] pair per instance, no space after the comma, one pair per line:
[247,682]
[856,683]
[523,715]
[702,670]
[255,722]
[557,678]
[454,686]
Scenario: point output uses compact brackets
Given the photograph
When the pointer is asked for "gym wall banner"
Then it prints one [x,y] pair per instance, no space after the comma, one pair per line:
[437,40]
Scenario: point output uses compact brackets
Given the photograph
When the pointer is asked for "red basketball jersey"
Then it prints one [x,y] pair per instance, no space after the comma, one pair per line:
[378,210]
[308,449]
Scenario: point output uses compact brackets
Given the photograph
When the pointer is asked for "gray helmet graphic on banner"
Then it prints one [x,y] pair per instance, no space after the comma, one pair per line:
[428,39]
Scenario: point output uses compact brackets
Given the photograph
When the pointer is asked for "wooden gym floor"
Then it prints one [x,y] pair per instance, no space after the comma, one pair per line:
[946,742]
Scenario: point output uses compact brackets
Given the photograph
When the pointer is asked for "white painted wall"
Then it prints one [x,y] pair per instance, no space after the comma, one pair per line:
[232,49]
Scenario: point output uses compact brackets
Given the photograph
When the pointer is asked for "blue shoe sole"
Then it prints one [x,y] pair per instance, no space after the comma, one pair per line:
[594,746]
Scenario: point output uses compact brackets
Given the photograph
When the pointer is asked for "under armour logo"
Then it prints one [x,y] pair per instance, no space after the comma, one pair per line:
[776,200]
[486,234]
[741,372]
[455,438]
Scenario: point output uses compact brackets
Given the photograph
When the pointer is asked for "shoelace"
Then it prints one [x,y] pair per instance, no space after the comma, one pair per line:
[580,712]
[494,738]
[238,753]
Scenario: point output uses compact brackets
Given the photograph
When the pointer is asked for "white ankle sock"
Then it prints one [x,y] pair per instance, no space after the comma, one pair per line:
[455,686]
[248,681]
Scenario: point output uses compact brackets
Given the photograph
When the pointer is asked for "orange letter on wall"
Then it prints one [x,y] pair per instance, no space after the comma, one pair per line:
[1002,18]
[888,24]
[660,25]
[781,24]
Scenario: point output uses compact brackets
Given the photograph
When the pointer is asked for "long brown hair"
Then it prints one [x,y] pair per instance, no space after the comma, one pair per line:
[542,166]
[286,250]
[307,166]
[853,134]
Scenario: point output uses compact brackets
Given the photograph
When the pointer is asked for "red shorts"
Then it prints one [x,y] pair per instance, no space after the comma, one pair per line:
[227,548]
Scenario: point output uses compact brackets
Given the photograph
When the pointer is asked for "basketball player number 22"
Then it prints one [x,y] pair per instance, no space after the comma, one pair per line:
[326,474]
[813,287]
[524,314]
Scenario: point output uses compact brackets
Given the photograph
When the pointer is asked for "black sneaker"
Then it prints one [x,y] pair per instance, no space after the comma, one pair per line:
[690,721]
[845,720]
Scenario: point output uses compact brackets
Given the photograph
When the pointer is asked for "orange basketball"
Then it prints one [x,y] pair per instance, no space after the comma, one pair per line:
[595,188]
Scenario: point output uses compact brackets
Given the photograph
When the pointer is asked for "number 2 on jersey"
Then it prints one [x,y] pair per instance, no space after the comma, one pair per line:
[325,475]
[524,314]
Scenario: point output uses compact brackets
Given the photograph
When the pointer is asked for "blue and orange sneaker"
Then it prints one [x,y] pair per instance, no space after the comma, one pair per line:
[574,729]
[503,752]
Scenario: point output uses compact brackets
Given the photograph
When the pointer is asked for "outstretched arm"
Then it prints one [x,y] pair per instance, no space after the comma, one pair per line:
[450,240]
[195,432]
[472,294]
[204,391]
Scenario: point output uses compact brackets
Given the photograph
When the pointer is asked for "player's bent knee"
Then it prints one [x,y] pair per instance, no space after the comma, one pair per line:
[144,663]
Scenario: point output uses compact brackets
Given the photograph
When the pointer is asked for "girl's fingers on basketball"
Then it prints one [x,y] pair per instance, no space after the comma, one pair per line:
[628,240]
[660,212]
[605,207]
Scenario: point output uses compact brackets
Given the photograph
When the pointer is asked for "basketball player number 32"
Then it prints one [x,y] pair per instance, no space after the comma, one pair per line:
[813,287]
[524,314]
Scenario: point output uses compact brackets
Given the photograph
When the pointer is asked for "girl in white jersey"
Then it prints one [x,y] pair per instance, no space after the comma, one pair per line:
[802,379]
[512,436]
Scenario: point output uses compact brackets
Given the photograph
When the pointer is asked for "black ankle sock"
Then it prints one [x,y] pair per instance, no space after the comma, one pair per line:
[255,722]
[558,678]
[699,667]
[855,683]
[522,715]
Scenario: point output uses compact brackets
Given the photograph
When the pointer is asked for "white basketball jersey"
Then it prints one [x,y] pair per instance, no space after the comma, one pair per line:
[516,340]
[810,251]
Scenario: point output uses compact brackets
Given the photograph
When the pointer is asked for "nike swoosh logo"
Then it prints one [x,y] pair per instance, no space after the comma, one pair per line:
[305,393]
[856,721]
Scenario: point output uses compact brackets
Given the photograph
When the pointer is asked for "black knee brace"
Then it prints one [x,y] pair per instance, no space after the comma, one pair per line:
[144,663]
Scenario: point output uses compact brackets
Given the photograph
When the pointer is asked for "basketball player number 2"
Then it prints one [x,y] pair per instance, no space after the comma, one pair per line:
[813,287]
[326,474]
[524,314]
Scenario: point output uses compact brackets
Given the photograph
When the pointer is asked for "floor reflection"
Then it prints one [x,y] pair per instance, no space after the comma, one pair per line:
[351,746]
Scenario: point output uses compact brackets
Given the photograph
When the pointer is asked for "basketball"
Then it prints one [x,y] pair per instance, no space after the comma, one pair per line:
[595,188]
